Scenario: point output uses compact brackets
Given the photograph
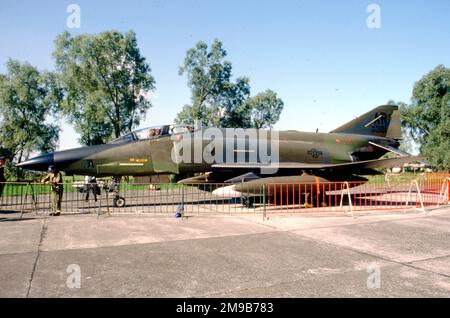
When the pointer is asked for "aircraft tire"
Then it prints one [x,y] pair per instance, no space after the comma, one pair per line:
[247,202]
[119,202]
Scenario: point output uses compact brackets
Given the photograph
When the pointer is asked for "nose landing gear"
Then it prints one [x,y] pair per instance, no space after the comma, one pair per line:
[118,201]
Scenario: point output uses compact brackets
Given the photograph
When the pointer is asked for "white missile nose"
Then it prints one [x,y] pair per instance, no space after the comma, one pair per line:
[227,192]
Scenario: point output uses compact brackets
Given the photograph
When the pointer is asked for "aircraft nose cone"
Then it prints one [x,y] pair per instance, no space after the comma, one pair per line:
[39,163]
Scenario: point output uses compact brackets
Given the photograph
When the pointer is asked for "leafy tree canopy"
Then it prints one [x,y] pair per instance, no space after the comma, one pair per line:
[218,101]
[106,83]
[28,99]
[262,110]
[427,117]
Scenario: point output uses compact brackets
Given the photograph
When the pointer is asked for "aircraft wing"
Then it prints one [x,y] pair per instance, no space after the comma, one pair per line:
[203,178]
[367,164]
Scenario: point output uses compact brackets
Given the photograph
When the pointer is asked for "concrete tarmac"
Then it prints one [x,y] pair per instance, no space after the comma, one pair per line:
[136,255]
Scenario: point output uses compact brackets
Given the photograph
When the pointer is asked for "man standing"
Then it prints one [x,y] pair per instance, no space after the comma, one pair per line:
[91,184]
[54,178]
[2,174]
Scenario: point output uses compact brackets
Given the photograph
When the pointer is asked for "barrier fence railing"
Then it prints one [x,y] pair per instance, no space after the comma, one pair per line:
[265,198]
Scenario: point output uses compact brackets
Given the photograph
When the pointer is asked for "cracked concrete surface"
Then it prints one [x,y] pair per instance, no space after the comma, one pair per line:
[226,256]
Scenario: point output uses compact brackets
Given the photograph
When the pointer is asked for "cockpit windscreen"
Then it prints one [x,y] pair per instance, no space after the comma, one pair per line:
[153,133]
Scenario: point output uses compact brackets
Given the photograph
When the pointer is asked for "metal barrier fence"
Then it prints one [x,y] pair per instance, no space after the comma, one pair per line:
[392,193]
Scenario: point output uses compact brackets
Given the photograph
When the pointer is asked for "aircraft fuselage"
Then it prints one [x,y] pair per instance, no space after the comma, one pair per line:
[155,156]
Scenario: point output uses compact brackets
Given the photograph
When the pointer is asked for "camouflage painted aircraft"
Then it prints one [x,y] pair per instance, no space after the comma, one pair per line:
[344,154]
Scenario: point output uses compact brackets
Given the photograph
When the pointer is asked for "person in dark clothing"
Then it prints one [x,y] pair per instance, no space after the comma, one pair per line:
[91,185]
[2,174]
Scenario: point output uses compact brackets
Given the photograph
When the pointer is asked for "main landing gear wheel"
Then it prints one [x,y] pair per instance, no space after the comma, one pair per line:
[247,202]
[119,202]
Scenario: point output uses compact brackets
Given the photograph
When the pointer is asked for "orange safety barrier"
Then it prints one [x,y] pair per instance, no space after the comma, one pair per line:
[364,196]
[390,193]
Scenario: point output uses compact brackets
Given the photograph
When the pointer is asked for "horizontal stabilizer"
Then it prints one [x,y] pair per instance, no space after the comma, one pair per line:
[399,152]
[391,149]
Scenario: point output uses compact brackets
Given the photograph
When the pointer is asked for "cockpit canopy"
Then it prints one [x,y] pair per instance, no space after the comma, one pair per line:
[153,132]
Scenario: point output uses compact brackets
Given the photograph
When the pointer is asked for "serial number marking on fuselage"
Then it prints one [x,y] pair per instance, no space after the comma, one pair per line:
[138,160]
[130,164]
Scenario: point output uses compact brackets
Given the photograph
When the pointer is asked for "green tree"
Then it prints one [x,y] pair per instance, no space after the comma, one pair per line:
[218,101]
[427,117]
[106,83]
[263,110]
[28,99]
[407,143]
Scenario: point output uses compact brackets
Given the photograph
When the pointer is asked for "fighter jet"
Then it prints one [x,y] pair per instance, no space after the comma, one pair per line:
[239,157]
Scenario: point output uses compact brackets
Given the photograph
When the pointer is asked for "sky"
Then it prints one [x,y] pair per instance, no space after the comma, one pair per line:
[320,57]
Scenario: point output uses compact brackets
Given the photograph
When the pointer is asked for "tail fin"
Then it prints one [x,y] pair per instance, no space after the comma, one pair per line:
[382,121]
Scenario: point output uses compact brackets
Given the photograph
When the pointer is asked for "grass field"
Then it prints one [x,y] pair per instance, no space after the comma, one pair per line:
[22,188]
